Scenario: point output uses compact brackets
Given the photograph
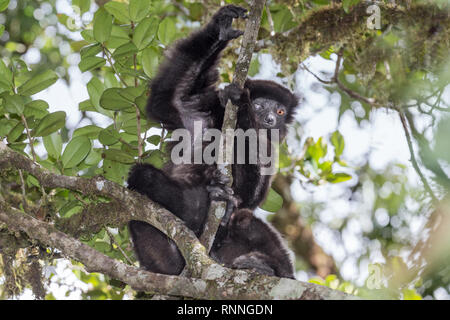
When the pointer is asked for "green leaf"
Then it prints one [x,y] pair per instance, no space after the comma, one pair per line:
[78,46]
[88,35]
[108,136]
[119,10]
[338,177]
[317,150]
[32,181]
[6,76]
[3,5]
[347,4]
[131,148]
[36,108]
[119,36]
[95,89]
[86,105]
[89,63]
[110,79]
[93,157]
[156,159]
[325,167]
[115,171]
[118,156]
[75,152]
[337,140]
[167,31]
[150,61]
[138,9]
[254,67]
[120,98]
[49,124]
[38,83]
[411,294]
[14,103]
[53,145]
[70,208]
[283,19]
[113,100]
[141,102]
[90,50]
[90,131]
[6,125]
[145,32]
[273,203]
[102,25]
[126,50]
[16,132]
[84,5]
[155,139]
[2,29]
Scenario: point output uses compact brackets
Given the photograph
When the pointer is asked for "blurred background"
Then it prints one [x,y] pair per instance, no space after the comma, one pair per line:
[361,192]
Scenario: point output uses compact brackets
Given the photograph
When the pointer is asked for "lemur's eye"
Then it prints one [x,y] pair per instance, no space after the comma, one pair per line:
[280,112]
[258,106]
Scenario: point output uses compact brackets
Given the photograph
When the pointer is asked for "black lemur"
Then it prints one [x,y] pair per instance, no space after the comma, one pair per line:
[185,91]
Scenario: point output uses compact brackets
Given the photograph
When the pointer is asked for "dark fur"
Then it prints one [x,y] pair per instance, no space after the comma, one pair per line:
[185,91]
[252,244]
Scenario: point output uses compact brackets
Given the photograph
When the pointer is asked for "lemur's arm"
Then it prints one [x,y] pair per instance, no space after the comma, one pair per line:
[184,89]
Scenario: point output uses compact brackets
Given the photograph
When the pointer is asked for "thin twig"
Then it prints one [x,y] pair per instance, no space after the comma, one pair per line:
[138,124]
[335,79]
[113,240]
[316,76]
[108,54]
[413,157]
[138,112]
[30,138]
[351,93]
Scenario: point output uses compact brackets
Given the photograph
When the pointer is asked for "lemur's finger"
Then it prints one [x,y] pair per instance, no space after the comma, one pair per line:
[233,11]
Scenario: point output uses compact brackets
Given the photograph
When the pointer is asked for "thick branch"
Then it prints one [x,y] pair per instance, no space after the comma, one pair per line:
[217,282]
[331,25]
[138,207]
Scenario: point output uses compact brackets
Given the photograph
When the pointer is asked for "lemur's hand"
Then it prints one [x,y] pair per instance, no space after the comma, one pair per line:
[239,97]
[223,19]
[219,190]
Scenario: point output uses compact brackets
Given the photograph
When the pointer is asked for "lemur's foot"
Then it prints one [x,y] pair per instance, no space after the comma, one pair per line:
[224,17]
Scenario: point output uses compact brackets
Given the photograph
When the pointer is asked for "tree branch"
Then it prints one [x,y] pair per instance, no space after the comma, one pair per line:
[413,157]
[331,25]
[138,207]
[217,282]
[217,209]
[214,281]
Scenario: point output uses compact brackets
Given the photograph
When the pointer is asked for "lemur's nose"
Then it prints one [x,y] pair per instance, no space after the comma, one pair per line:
[270,119]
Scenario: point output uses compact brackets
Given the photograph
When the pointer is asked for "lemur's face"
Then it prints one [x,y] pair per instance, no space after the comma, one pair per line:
[270,114]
